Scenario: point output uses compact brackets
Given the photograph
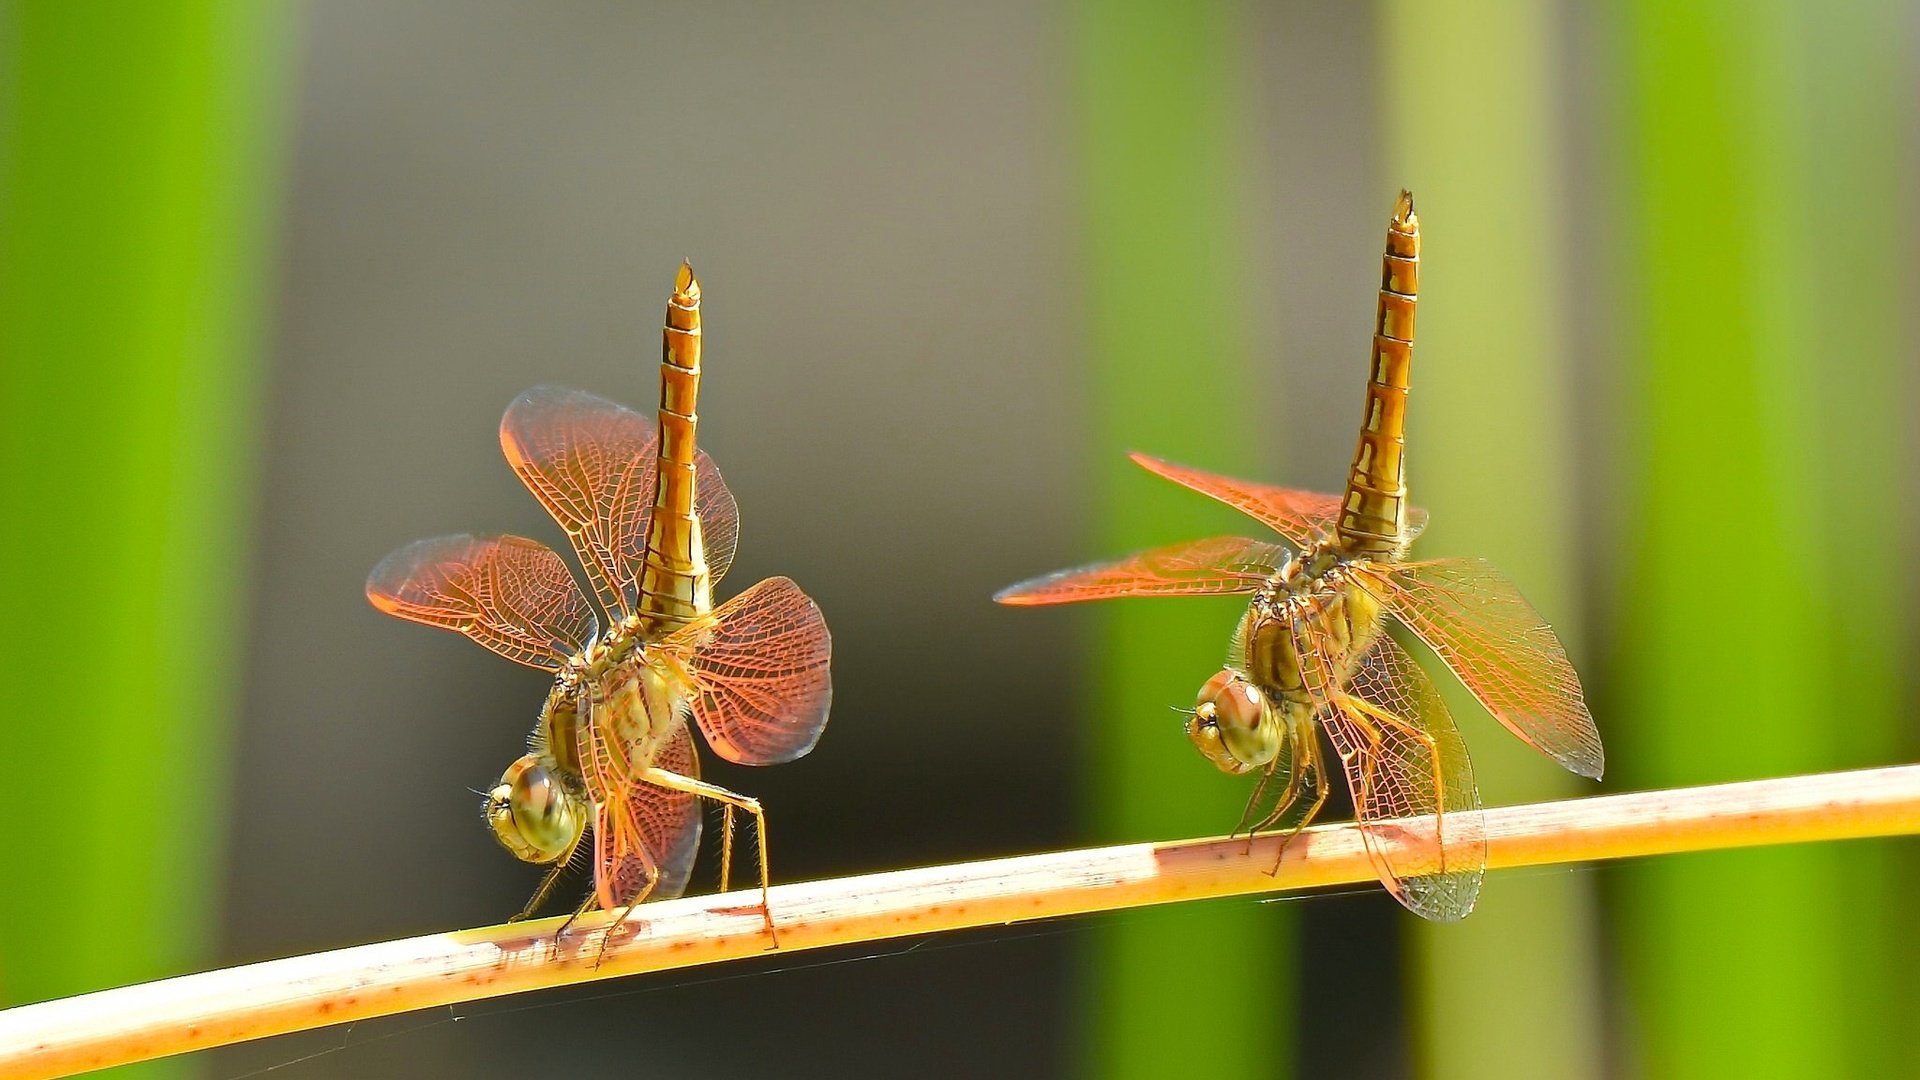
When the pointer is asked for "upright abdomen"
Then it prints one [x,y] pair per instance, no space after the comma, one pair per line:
[675,585]
[1373,519]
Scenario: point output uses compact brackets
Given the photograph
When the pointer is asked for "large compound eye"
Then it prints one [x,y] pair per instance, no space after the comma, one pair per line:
[1236,704]
[1233,724]
[533,814]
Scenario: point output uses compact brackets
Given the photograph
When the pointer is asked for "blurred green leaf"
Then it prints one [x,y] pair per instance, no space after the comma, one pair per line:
[1473,99]
[1159,105]
[1758,632]
[138,152]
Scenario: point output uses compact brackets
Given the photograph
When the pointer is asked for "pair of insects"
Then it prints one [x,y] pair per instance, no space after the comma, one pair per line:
[654,528]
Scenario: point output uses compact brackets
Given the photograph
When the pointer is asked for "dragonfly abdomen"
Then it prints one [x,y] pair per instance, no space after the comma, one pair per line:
[675,585]
[1373,518]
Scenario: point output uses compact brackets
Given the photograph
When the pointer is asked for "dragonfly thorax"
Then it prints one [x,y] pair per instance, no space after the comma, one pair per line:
[1306,572]
[620,641]
[1314,608]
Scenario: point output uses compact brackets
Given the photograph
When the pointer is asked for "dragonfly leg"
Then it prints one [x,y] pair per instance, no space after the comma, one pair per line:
[653,878]
[585,906]
[1247,814]
[547,883]
[1369,715]
[730,799]
[1307,752]
[1288,795]
[726,845]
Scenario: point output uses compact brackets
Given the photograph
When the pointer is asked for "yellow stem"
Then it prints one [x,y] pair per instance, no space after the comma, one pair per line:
[193,1012]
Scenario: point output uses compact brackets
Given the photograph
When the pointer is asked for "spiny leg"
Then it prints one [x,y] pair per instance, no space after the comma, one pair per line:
[575,917]
[602,836]
[1247,814]
[1288,794]
[676,782]
[726,845]
[547,883]
[653,878]
[1315,766]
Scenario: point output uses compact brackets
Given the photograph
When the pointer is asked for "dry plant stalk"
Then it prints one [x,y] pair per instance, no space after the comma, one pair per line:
[194,1012]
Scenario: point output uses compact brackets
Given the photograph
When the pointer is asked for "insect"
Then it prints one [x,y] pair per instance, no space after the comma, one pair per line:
[654,527]
[1311,653]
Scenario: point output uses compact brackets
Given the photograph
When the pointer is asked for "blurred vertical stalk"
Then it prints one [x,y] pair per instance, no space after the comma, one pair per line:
[137,163]
[1859,198]
[1158,93]
[1473,101]
[1764,551]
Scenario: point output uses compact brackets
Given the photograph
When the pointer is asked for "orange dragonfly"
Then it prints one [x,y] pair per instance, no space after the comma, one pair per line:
[1311,652]
[655,527]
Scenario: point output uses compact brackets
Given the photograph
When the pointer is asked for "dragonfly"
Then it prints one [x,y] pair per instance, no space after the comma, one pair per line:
[654,527]
[1313,653]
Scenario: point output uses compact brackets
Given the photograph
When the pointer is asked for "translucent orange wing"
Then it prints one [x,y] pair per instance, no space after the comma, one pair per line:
[760,668]
[1477,622]
[1412,783]
[1303,517]
[1222,566]
[593,464]
[510,594]
[652,832]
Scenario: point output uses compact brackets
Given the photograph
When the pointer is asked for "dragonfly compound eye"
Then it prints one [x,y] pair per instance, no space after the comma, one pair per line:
[533,814]
[1234,725]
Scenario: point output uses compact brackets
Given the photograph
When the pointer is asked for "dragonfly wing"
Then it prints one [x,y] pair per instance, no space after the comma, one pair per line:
[1221,566]
[587,459]
[653,827]
[1476,621]
[719,515]
[760,666]
[1301,516]
[510,594]
[593,464]
[1412,783]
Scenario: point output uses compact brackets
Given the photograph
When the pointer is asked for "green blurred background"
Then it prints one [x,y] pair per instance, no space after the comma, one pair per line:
[268,273]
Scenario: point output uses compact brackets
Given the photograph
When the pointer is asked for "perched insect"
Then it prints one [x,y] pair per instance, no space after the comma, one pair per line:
[1311,652]
[655,527]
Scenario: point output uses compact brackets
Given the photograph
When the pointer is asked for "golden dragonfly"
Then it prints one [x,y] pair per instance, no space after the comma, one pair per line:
[1311,653]
[654,527]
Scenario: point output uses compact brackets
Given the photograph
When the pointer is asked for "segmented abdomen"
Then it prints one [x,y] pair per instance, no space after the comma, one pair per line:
[675,585]
[1373,519]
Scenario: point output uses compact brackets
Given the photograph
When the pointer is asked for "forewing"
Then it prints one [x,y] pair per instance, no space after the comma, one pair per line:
[593,464]
[588,461]
[1221,566]
[760,667]
[665,822]
[510,594]
[1412,784]
[1303,517]
[1479,625]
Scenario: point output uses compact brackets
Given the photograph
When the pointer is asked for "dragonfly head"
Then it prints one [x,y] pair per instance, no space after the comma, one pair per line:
[533,814]
[1234,725]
